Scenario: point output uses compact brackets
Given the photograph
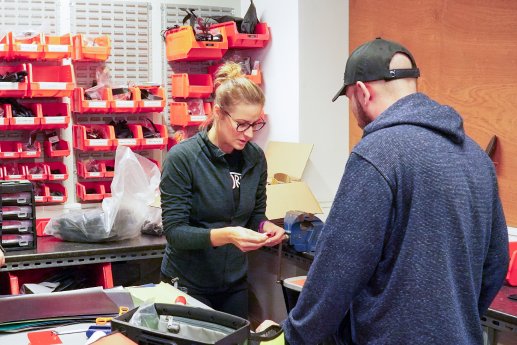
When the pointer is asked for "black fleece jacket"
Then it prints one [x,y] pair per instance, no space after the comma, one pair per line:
[196,196]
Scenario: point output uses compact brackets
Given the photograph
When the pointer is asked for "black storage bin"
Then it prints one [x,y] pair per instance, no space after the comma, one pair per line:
[291,289]
[236,329]
[18,214]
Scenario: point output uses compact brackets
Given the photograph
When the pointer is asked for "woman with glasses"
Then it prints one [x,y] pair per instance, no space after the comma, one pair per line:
[213,194]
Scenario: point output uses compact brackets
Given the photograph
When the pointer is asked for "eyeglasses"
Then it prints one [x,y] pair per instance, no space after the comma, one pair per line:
[243,127]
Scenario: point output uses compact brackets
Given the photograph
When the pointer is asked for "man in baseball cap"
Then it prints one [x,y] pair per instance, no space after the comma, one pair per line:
[415,246]
[371,61]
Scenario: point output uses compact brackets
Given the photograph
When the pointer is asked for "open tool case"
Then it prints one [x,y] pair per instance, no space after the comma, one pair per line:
[196,326]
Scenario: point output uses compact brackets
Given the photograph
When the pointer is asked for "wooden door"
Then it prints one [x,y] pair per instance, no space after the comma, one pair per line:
[467,54]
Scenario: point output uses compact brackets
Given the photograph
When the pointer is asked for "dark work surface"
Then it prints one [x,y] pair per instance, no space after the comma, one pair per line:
[503,308]
[53,248]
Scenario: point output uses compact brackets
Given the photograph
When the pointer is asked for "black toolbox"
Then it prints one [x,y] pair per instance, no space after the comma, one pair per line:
[17,215]
[235,329]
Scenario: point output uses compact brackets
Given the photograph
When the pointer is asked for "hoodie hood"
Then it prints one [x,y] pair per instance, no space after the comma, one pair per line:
[419,110]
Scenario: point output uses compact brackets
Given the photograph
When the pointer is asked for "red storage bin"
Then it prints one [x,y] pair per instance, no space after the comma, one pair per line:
[56,171]
[27,47]
[258,39]
[41,193]
[41,223]
[192,85]
[181,45]
[59,149]
[31,123]
[107,189]
[98,274]
[134,142]
[10,149]
[55,115]
[32,152]
[180,115]
[4,120]
[82,142]
[57,47]
[6,45]
[124,106]
[90,169]
[36,171]
[17,89]
[90,191]
[51,81]
[83,105]
[154,143]
[91,48]
[511,276]
[109,168]
[146,105]
[56,193]
[13,171]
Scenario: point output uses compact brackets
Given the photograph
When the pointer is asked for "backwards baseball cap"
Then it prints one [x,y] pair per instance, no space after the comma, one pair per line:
[371,61]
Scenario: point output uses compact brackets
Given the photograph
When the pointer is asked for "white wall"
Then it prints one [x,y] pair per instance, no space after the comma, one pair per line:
[303,68]
[280,65]
[323,32]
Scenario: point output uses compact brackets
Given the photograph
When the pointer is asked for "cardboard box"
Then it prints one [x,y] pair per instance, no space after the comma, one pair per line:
[285,190]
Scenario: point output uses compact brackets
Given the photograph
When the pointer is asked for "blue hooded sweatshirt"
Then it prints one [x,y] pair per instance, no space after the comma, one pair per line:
[415,246]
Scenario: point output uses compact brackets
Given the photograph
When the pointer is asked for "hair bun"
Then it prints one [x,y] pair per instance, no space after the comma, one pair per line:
[230,70]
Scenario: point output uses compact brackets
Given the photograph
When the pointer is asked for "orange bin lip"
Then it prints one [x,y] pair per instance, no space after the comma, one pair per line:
[83,172]
[63,149]
[6,45]
[54,115]
[57,47]
[181,45]
[82,105]
[81,142]
[179,114]
[16,90]
[192,85]
[27,48]
[51,81]
[258,39]
[84,52]
[145,105]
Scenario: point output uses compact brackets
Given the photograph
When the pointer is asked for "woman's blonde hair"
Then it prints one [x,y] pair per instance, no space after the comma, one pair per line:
[233,88]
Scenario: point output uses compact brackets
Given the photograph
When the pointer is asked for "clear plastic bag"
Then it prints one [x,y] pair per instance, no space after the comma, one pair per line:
[133,190]
[103,80]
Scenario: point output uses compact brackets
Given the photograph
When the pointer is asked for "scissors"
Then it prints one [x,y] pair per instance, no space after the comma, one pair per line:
[101,321]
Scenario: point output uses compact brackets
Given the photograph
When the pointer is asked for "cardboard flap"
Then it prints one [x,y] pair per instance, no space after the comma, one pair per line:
[294,196]
[287,158]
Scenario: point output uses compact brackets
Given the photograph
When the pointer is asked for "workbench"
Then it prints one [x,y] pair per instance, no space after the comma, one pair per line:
[94,259]
[52,252]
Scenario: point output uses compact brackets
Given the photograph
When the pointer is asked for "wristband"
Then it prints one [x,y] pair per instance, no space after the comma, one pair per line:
[261,226]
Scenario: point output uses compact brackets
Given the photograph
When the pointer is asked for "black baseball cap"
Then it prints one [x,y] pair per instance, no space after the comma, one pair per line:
[371,61]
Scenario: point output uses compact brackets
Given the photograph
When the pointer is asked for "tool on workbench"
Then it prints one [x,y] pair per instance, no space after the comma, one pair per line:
[303,229]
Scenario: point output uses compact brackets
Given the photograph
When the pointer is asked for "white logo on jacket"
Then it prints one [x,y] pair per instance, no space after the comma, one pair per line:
[236,178]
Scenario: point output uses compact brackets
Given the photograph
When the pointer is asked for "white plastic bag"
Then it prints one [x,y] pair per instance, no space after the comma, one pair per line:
[134,187]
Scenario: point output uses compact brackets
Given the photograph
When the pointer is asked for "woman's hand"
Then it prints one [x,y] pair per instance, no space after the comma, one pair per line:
[274,233]
[242,238]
